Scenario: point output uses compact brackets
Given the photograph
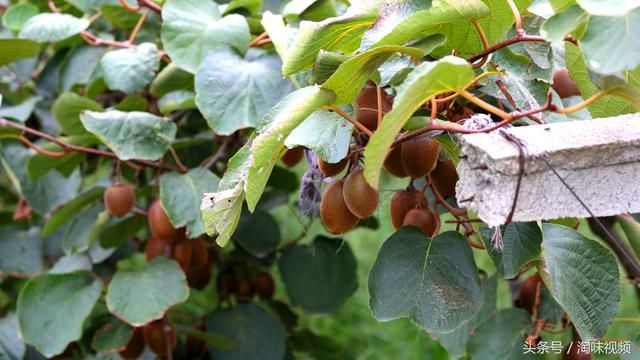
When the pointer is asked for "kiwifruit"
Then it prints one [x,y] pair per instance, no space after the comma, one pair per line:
[393,162]
[135,346]
[529,292]
[200,253]
[419,156]
[563,84]
[361,199]
[194,347]
[402,202]
[155,248]
[293,156]
[445,177]
[423,219]
[264,285]
[334,213]
[199,278]
[573,352]
[161,226]
[182,252]
[367,102]
[154,336]
[119,199]
[225,285]
[329,169]
[244,290]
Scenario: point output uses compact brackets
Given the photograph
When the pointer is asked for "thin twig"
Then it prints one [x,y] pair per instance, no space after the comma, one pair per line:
[503,44]
[219,154]
[516,15]
[258,38]
[176,158]
[129,7]
[355,122]
[136,29]
[150,5]
[483,39]
[379,99]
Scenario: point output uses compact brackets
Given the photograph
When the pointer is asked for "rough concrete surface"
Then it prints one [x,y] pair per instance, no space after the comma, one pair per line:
[599,159]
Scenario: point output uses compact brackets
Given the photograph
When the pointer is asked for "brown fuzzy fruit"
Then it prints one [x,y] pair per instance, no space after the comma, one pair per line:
[564,85]
[529,291]
[194,347]
[135,346]
[367,102]
[292,157]
[264,285]
[225,285]
[200,253]
[329,169]
[419,156]
[361,199]
[182,252]
[393,162]
[161,226]
[572,352]
[198,278]
[154,336]
[334,213]
[402,202]
[244,290]
[119,199]
[155,248]
[423,219]
[445,177]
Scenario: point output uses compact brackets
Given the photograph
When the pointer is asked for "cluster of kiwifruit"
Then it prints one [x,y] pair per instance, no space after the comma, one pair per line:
[244,285]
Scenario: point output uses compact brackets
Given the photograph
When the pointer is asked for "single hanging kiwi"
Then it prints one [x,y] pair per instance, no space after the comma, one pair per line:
[154,336]
[419,156]
[161,226]
[155,248]
[119,199]
[182,252]
[367,106]
[334,213]
[264,285]
[445,177]
[402,202]
[199,254]
[293,156]
[423,219]
[329,169]
[361,199]
[564,85]
[393,162]
[529,292]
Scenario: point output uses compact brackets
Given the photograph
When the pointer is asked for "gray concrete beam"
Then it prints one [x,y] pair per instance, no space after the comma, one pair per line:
[599,159]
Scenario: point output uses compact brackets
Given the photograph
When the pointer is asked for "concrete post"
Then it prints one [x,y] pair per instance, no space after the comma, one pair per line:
[599,159]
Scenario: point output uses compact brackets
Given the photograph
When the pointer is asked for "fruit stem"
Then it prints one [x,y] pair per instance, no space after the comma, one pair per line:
[129,7]
[136,29]
[483,39]
[516,16]
[255,41]
[484,105]
[176,158]
[355,122]
[571,109]
[379,99]
[41,150]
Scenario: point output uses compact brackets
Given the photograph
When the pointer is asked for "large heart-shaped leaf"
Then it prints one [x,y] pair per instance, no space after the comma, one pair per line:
[131,135]
[192,28]
[17,15]
[501,336]
[67,108]
[130,69]
[258,233]
[434,282]
[427,80]
[139,297]
[234,92]
[51,27]
[326,263]
[325,133]
[584,277]
[56,304]
[12,346]
[181,195]
[25,248]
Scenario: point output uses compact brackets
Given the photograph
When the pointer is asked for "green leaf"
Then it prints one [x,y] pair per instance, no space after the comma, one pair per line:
[72,263]
[214,340]
[67,108]
[351,76]
[39,164]
[22,111]
[169,79]
[608,7]
[613,85]
[192,28]
[427,80]
[631,229]
[12,346]
[181,194]
[337,33]
[80,233]
[234,92]
[434,282]
[501,336]
[521,246]
[274,26]
[88,5]
[278,124]
[17,15]
[584,278]
[80,66]
[51,27]
[131,135]
[119,17]
[116,232]
[22,249]
[255,333]
[69,209]
[17,49]
[559,25]
[132,103]
[112,337]
[325,133]
[608,57]
[326,263]
[139,297]
[56,304]
[177,100]
[258,234]
[130,69]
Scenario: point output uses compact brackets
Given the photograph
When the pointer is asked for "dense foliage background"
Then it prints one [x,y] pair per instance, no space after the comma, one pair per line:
[315,129]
